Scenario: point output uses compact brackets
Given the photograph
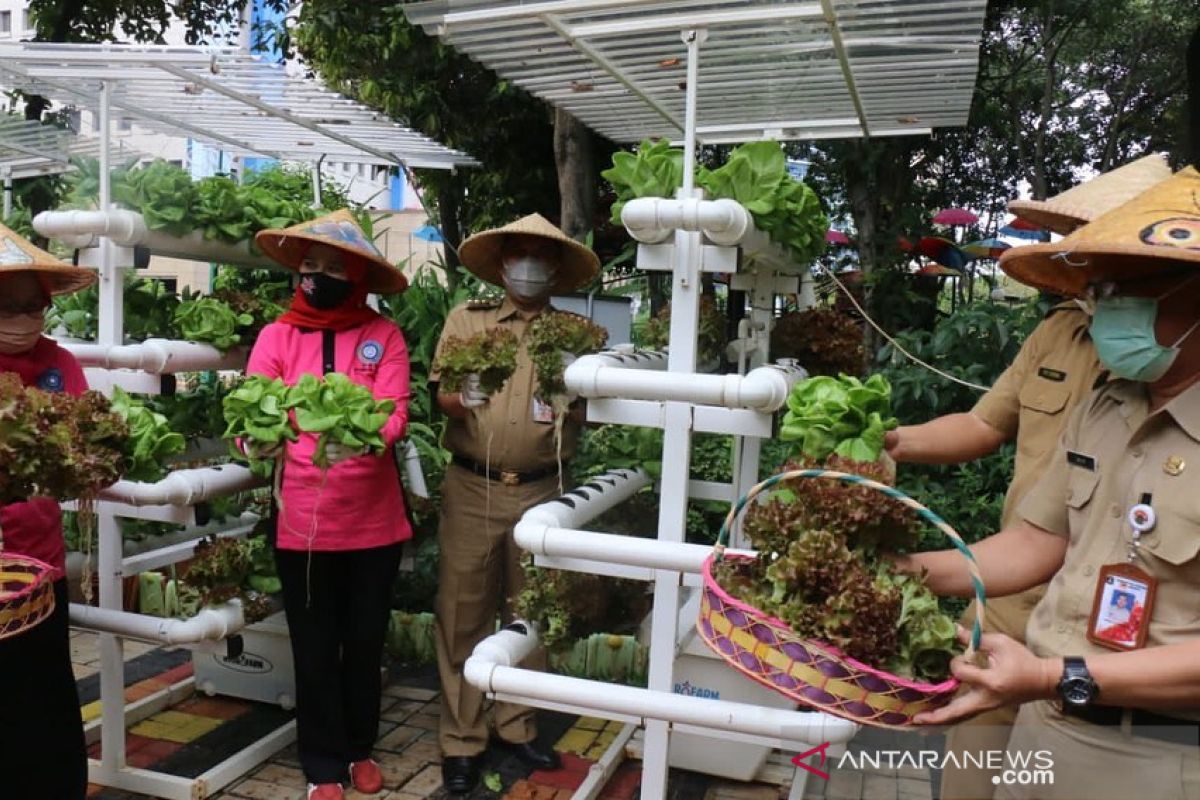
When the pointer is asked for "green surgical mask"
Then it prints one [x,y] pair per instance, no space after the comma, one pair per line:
[1123,331]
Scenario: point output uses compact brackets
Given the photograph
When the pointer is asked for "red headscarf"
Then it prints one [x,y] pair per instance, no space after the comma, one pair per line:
[350,314]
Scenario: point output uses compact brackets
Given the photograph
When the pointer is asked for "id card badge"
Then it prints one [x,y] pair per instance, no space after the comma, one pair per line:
[542,412]
[1122,607]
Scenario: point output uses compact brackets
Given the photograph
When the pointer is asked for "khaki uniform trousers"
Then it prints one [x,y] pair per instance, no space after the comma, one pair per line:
[479,576]
[1094,762]
[989,731]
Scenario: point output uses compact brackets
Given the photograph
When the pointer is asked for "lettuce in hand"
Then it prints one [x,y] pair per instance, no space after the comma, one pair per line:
[842,416]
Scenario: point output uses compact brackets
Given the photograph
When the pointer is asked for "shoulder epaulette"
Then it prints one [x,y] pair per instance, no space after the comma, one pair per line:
[483,303]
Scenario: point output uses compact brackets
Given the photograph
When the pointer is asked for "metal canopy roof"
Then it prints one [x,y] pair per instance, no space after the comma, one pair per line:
[29,148]
[788,70]
[224,97]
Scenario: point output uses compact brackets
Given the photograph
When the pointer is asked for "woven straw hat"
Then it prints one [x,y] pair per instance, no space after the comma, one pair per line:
[480,253]
[288,246]
[1156,232]
[18,254]
[1080,205]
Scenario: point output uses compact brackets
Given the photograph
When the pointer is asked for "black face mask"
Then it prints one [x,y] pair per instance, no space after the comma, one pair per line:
[324,291]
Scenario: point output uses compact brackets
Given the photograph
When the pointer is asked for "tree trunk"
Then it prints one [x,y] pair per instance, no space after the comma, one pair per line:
[576,175]
[59,31]
[449,197]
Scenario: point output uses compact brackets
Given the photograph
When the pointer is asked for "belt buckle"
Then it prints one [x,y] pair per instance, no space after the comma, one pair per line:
[510,478]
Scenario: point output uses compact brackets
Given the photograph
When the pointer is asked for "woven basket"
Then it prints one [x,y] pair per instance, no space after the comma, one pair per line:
[26,593]
[766,649]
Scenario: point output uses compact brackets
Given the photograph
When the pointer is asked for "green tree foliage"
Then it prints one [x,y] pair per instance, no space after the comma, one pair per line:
[372,52]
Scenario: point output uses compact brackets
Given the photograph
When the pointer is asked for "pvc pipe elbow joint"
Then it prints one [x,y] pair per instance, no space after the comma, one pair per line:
[652,220]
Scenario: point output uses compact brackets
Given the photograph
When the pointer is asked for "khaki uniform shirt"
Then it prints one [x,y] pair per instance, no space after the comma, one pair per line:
[517,441]
[1113,453]
[1032,399]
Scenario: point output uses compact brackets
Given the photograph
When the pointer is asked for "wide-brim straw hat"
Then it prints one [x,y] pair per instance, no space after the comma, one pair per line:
[1093,199]
[18,254]
[481,253]
[1155,233]
[289,246]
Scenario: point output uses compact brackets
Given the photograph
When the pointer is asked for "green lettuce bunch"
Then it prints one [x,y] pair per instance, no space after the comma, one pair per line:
[257,410]
[491,354]
[151,439]
[206,319]
[162,192]
[341,411]
[655,170]
[842,415]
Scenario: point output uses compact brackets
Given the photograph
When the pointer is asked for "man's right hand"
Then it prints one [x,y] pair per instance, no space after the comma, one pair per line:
[891,444]
[471,395]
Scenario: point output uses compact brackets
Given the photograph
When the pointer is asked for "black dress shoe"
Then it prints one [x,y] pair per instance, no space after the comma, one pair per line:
[460,774]
[532,754]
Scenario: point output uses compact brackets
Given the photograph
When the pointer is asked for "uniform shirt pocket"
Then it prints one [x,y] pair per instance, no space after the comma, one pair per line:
[1040,422]
[1171,553]
[1081,488]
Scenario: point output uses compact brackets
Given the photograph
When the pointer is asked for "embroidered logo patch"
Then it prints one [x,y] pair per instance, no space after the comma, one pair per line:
[51,380]
[370,352]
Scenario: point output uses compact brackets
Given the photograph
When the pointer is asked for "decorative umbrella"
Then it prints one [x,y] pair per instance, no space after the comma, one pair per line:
[428,233]
[955,216]
[836,237]
[939,271]
[943,251]
[985,248]
[1021,229]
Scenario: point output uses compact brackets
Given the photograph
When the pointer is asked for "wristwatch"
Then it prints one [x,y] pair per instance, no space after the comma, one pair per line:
[1076,687]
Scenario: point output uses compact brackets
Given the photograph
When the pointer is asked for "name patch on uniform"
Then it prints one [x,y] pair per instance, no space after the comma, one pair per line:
[370,352]
[1056,375]
[1080,460]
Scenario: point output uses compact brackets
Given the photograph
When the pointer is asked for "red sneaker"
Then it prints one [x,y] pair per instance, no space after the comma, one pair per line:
[325,791]
[366,777]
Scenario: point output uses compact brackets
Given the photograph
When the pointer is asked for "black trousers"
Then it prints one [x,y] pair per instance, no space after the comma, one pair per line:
[42,752]
[337,610]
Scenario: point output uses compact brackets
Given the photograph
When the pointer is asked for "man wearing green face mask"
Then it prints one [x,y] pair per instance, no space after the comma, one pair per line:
[1123,331]
[1114,523]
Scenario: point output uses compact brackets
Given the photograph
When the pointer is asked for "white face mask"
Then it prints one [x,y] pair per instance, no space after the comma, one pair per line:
[20,332]
[528,277]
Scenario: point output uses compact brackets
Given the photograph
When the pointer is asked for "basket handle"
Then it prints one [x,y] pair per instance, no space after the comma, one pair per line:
[892,492]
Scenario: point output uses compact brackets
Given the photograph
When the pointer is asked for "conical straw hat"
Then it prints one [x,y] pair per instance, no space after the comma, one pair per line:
[480,253]
[288,246]
[1081,204]
[1155,233]
[18,254]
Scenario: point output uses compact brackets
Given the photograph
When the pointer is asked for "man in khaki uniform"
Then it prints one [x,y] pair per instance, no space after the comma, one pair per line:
[1030,402]
[1125,724]
[504,461]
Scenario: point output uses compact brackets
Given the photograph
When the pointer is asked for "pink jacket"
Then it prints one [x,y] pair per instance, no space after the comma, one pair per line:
[34,528]
[358,504]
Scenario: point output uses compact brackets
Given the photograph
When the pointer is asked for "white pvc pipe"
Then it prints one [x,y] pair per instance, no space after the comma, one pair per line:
[414,476]
[184,487]
[128,229]
[159,356]
[490,669]
[590,500]
[216,623]
[653,219]
[763,389]
[541,539]
[130,547]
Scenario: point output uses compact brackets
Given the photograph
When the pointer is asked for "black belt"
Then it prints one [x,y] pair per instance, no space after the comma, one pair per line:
[506,476]
[1143,723]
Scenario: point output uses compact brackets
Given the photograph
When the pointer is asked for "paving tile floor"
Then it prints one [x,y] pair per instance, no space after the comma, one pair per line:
[201,731]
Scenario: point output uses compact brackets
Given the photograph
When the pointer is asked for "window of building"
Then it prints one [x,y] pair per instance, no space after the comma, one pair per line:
[26,22]
[5,23]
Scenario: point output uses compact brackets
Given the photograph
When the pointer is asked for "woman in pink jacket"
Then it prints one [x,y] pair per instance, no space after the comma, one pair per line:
[42,752]
[339,532]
